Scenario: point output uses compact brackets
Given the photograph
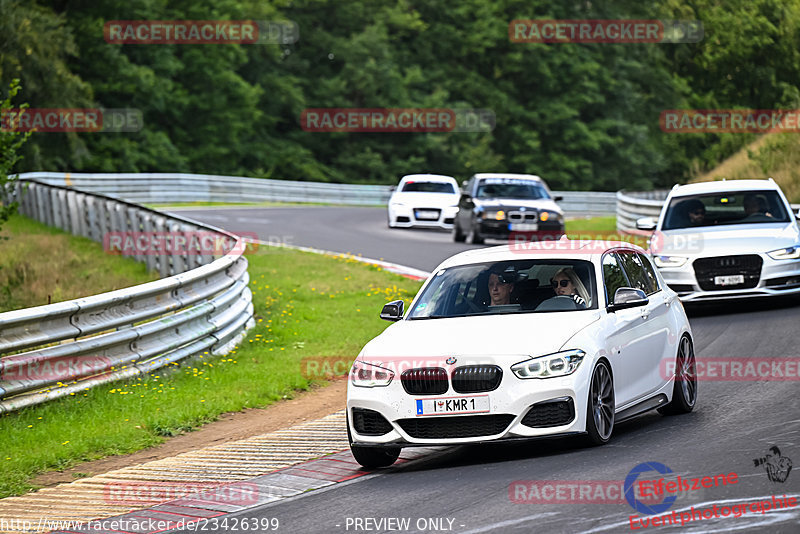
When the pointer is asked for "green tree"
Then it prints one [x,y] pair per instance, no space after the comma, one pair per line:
[11,142]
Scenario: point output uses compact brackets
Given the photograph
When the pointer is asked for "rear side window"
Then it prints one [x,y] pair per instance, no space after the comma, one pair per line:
[637,273]
[649,272]
[613,276]
[428,187]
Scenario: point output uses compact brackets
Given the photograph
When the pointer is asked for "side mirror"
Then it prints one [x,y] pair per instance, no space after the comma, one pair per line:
[627,297]
[645,223]
[558,198]
[797,215]
[393,188]
[392,311]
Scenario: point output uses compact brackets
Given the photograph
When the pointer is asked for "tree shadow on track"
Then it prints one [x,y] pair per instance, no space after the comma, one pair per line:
[747,305]
[540,448]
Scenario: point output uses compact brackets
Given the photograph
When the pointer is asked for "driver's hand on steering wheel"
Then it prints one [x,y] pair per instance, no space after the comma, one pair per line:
[579,300]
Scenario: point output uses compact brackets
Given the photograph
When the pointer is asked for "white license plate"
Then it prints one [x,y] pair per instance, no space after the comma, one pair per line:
[427,215]
[730,280]
[523,227]
[453,405]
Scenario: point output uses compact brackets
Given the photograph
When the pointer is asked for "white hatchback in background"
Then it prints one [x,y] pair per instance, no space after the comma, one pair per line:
[424,200]
[727,240]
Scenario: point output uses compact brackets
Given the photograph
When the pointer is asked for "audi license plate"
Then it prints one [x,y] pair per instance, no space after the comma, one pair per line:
[426,215]
[730,280]
[453,405]
[523,227]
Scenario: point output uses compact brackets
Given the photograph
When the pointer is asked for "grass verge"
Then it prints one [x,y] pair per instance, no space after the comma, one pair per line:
[307,306]
[597,225]
[40,264]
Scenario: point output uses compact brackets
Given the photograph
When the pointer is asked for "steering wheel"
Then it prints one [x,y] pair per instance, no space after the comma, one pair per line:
[474,307]
[557,303]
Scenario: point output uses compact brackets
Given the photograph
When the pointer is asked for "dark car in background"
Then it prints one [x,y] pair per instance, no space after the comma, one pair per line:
[498,206]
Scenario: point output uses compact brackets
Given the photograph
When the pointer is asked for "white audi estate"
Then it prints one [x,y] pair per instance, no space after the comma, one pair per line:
[727,240]
[520,342]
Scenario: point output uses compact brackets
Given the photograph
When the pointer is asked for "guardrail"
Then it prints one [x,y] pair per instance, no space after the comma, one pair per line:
[174,187]
[634,205]
[204,304]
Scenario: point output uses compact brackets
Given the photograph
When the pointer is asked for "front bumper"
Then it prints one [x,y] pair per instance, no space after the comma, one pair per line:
[509,404]
[494,229]
[776,277]
[404,216]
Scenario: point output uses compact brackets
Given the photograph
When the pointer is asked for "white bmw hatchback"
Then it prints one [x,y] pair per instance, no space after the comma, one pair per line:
[424,200]
[519,342]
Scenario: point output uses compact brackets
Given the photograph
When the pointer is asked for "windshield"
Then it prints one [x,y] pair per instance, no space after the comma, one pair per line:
[521,286]
[740,207]
[510,188]
[428,187]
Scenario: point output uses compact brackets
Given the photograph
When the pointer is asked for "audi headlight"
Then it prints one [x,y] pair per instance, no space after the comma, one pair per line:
[670,261]
[558,364]
[367,375]
[791,253]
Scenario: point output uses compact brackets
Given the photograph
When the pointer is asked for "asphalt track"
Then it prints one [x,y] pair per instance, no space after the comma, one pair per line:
[471,489]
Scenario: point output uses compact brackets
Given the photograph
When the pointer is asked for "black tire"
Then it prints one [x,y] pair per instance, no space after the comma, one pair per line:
[684,391]
[458,234]
[600,405]
[474,237]
[372,457]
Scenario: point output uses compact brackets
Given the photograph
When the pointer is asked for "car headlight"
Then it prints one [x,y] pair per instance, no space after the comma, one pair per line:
[558,364]
[791,253]
[500,215]
[670,261]
[367,375]
[545,216]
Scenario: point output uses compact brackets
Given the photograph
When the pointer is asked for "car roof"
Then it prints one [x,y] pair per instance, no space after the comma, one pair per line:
[723,186]
[566,249]
[507,175]
[428,178]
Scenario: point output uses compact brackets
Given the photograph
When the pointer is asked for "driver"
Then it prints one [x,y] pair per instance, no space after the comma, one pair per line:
[755,205]
[567,283]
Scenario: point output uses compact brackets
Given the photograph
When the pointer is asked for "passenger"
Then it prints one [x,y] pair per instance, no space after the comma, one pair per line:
[567,283]
[499,289]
